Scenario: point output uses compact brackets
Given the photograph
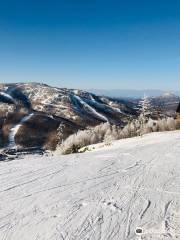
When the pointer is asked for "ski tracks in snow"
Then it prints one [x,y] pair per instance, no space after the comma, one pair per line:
[129,192]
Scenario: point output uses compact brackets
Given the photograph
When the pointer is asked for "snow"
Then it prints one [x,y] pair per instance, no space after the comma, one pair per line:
[168,94]
[62,101]
[76,91]
[7,96]
[15,129]
[107,194]
[91,109]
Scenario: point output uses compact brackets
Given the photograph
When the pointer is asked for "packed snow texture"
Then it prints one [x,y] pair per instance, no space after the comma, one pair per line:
[130,190]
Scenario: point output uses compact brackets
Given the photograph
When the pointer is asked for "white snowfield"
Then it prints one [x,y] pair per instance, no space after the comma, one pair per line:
[107,194]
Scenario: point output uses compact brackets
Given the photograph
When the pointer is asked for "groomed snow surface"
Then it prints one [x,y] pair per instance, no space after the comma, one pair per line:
[108,194]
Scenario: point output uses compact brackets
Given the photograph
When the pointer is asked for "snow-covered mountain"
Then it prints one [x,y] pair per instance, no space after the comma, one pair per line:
[130,190]
[167,103]
[30,113]
[164,105]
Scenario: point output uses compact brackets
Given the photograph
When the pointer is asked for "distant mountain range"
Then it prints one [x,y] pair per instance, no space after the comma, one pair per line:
[38,115]
[130,93]
[31,113]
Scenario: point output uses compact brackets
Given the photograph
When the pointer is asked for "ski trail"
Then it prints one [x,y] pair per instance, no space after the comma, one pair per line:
[14,130]
[91,109]
[109,105]
[7,96]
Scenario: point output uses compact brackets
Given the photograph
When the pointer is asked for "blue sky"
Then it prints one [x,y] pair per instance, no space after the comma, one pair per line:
[105,44]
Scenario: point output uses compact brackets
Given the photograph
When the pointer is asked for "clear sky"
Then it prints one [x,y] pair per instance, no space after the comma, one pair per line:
[105,44]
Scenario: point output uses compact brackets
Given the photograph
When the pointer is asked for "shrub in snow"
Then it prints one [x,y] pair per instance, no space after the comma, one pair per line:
[107,133]
[83,138]
[100,133]
[178,123]
[171,123]
[113,133]
[70,145]
[162,125]
[126,132]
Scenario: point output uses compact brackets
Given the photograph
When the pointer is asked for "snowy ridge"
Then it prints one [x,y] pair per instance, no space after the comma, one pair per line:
[67,103]
[128,191]
[74,109]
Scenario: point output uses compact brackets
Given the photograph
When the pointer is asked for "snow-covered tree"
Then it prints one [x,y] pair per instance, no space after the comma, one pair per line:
[171,123]
[145,106]
[145,112]
[60,131]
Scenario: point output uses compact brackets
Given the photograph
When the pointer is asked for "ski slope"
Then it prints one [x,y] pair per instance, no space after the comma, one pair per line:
[91,109]
[106,194]
[13,131]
